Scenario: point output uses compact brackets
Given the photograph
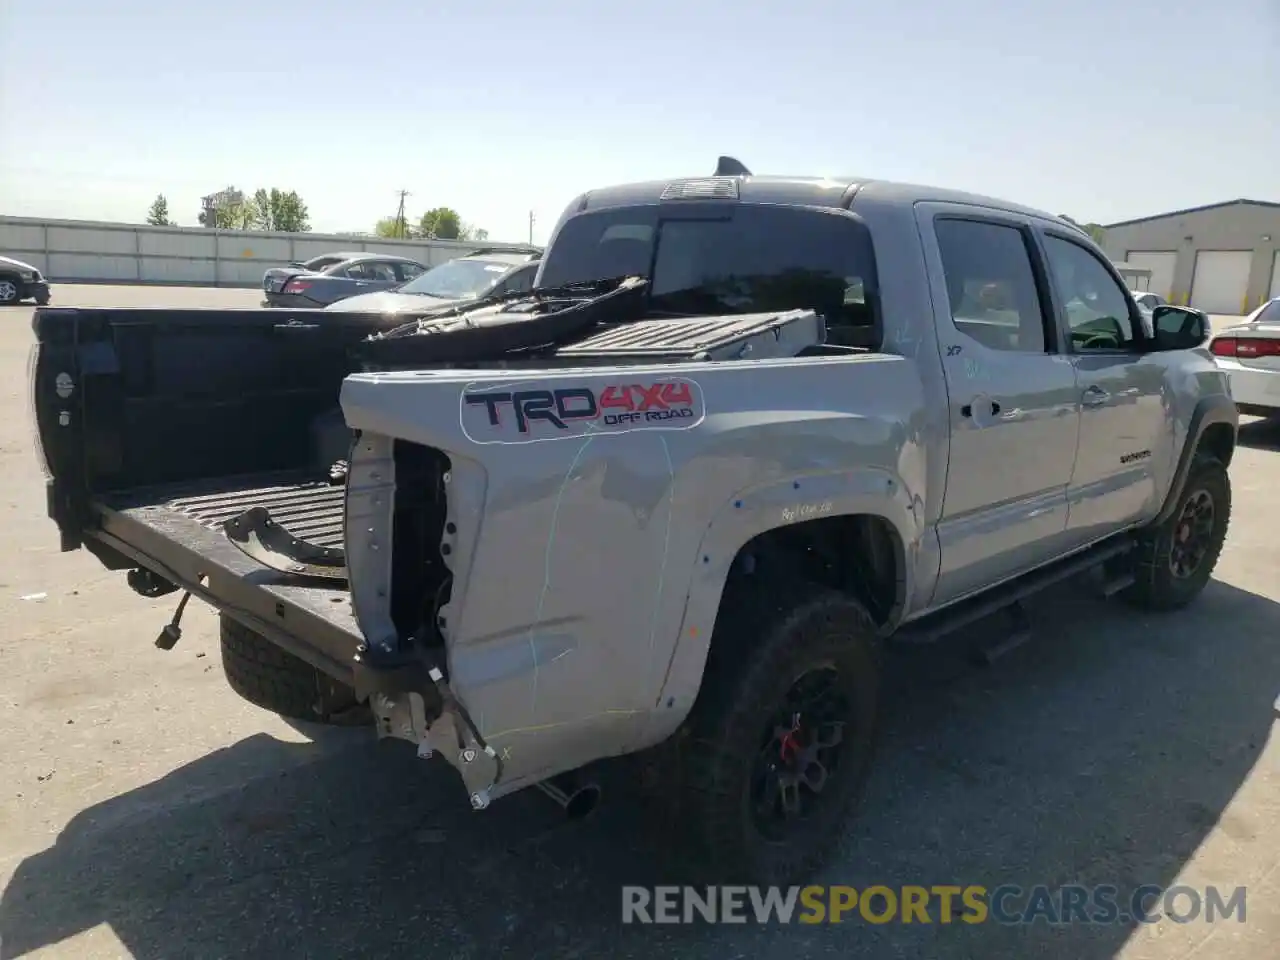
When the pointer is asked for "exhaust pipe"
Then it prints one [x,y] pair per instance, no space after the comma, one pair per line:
[577,798]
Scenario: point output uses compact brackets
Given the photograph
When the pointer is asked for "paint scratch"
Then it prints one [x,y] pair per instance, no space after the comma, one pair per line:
[546,568]
[666,546]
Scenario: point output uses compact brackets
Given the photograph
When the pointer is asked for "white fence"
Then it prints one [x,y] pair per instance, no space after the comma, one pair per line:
[86,251]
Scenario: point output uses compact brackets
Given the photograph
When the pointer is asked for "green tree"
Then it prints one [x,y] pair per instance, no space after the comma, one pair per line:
[240,216]
[233,216]
[470,232]
[158,215]
[392,228]
[280,211]
[442,223]
[1096,231]
[272,209]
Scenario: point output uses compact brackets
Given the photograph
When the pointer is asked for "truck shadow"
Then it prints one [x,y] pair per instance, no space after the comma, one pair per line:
[1260,434]
[1103,752]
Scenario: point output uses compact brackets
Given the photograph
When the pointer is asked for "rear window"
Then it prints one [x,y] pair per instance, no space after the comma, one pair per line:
[756,259]
[320,263]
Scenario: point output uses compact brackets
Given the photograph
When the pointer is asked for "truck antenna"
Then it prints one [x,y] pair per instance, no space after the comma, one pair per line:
[730,167]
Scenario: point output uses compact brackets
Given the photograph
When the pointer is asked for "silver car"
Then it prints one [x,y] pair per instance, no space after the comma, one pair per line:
[481,274]
[331,277]
[1147,302]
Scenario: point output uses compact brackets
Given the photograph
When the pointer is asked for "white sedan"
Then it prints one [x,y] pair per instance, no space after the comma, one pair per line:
[1250,354]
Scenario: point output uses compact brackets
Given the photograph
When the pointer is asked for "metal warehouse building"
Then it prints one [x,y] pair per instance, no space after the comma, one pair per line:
[1221,258]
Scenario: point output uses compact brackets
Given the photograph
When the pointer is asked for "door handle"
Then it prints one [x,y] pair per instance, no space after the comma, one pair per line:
[1095,396]
[991,406]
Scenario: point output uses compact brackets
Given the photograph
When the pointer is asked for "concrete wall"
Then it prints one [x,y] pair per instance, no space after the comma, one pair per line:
[76,250]
[1236,226]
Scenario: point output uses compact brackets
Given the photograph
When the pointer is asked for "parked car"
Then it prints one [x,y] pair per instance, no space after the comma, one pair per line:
[479,274]
[21,281]
[675,514]
[327,279]
[1249,353]
[1147,301]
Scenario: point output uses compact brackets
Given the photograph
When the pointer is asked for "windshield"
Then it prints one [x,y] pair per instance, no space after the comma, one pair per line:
[458,279]
[755,258]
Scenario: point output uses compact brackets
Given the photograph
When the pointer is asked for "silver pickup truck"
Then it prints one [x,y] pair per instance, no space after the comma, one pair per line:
[745,431]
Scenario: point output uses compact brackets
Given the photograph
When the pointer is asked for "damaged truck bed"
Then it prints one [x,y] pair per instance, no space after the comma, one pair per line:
[139,443]
[185,534]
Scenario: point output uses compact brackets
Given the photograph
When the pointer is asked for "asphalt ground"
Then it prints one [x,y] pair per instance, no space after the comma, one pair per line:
[147,812]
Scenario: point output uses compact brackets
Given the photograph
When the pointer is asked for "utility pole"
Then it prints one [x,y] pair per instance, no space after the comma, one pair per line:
[532,218]
[400,221]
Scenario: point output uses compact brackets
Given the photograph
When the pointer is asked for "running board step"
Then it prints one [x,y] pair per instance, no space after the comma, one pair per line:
[1019,634]
[1116,584]
[273,546]
[950,619]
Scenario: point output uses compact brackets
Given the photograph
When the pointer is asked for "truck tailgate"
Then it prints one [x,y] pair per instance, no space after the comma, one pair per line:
[176,530]
[158,425]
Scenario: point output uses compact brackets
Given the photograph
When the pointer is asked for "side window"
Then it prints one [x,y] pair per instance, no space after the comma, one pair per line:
[382,271]
[359,271]
[409,270]
[520,281]
[990,285]
[1096,306]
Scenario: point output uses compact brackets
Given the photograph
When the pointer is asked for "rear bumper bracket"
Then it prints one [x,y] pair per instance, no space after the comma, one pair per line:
[450,731]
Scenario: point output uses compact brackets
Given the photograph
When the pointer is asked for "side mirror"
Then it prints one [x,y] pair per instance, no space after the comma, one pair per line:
[1179,328]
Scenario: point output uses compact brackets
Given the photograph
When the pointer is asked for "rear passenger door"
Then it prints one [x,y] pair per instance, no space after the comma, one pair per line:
[362,273]
[1013,402]
[383,274]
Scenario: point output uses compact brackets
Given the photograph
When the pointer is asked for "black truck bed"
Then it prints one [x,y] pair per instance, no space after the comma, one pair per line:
[311,509]
[176,531]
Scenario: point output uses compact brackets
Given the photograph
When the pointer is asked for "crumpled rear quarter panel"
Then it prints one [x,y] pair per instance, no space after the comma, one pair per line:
[589,557]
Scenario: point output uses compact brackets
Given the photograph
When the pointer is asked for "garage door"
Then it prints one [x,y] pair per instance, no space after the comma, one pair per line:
[1275,275]
[1160,263]
[1221,280]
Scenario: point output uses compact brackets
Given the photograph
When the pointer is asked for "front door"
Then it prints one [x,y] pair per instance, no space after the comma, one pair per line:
[1123,417]
[1014,409]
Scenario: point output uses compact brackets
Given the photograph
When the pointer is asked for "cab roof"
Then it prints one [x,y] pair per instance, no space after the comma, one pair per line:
[835,191]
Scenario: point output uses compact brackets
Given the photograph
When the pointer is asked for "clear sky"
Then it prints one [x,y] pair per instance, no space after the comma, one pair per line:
[1100,109]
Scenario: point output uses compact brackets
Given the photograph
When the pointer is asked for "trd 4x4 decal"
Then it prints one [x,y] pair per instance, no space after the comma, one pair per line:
[537,412]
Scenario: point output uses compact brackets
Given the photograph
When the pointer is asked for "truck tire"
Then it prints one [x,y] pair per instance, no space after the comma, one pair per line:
[748,751]
[275,680]
[1175,559]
